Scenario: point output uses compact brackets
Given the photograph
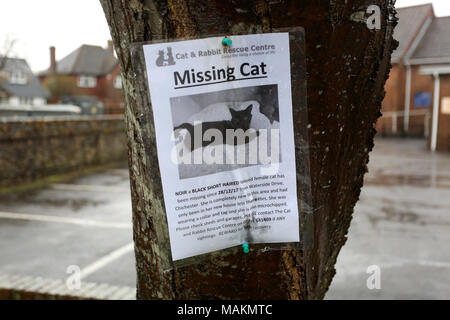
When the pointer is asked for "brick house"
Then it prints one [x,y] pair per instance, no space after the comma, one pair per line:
[430,64]
[417,101]
[398,116]
[88,71]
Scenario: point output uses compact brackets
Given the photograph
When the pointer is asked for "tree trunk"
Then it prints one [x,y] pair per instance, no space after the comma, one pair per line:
[347,67]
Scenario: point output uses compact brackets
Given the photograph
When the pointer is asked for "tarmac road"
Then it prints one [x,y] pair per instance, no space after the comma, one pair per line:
[86,223]
[401,226]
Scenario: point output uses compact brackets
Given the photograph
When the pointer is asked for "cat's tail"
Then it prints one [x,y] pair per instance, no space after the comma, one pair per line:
[177,132]
[182,126]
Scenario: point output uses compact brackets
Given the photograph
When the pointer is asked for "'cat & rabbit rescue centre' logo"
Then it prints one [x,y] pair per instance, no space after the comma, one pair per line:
[165,58]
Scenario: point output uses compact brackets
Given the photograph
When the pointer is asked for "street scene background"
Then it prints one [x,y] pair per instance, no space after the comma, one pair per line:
[65,202]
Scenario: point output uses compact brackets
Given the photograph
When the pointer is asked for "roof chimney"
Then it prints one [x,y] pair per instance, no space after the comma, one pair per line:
[52,60]
[110,46]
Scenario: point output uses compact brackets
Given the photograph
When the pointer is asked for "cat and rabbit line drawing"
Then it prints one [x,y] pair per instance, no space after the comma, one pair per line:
[161,61]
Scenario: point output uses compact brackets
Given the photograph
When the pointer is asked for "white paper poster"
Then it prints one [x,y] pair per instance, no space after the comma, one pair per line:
[225,141]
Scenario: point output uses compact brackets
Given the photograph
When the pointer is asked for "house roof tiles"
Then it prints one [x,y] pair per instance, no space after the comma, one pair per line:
[436,42]
[86,60]
[411,20]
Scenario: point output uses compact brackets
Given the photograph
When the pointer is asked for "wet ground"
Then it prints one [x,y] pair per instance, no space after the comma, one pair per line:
[401,226]
[85,222]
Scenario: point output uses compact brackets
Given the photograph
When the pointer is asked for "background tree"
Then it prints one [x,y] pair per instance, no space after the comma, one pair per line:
[347,65]
[60,85]
[7,50]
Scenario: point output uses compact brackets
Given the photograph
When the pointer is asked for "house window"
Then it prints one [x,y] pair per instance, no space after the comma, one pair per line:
[14,101]
[118,82]
[25,101]
[37,101]
[87,81]
[18,77]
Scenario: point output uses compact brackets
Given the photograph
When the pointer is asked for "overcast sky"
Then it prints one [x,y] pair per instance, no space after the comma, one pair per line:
[441,7]
[66,24]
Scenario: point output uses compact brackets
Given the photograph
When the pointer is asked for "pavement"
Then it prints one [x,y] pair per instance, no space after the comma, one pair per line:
[399,240]
[85,223]
[400,232]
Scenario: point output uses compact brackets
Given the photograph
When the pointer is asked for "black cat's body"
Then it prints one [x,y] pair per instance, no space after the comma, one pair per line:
[239,120]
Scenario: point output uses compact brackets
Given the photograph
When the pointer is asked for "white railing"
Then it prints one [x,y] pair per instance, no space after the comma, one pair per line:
[394,115]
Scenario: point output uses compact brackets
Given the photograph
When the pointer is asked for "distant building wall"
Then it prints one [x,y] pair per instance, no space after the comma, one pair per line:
[443,133]
[393,107]
[413,23]
[110,95]
[394,101]
[104,90]
[418,114]
[33,149]
[395,89]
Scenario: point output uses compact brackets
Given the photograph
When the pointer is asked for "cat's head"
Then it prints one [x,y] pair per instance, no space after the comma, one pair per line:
[241,119]
[161,52]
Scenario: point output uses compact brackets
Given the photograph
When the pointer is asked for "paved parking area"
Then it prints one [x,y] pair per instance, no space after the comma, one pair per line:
[84,223]
[401,225]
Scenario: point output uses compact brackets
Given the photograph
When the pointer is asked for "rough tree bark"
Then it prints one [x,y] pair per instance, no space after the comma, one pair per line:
[347,66]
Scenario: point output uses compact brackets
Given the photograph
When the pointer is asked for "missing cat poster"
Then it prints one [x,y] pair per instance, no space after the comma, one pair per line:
[224,130]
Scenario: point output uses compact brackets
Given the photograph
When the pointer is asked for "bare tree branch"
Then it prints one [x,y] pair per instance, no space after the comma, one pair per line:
[7,49]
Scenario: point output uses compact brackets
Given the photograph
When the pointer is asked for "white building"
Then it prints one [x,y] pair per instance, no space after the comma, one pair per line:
[18,85]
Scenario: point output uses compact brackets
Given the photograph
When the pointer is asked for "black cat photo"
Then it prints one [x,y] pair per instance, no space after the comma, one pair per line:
[253,109]
[239,120]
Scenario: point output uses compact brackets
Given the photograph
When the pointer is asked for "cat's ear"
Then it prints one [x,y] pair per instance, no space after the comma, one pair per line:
[249,108]
[232,111]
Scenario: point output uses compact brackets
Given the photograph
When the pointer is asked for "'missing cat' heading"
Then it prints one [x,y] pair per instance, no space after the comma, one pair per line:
[247,71]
